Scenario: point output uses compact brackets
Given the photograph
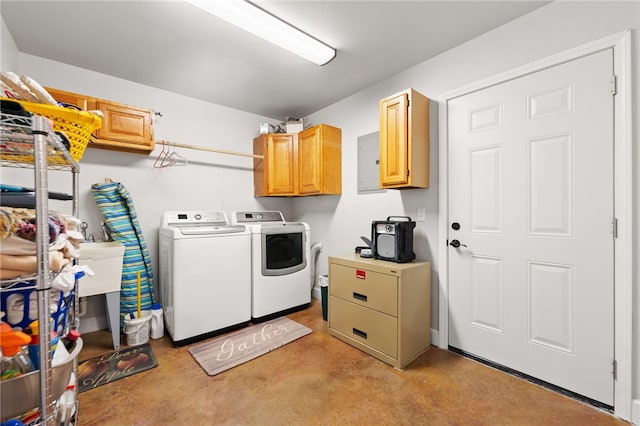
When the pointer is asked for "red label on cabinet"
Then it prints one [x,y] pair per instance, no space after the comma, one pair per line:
[360,274]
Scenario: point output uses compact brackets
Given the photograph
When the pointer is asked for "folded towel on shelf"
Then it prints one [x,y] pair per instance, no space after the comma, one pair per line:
[28,264]
[18,235]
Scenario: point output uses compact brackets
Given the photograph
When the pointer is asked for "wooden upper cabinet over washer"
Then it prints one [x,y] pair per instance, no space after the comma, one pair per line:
[124,127]
[307,163]
[404,140]
[320,160]
[275,173]
[69,98]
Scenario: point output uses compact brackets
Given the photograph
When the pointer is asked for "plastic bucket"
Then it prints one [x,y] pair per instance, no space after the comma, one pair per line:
[137,329]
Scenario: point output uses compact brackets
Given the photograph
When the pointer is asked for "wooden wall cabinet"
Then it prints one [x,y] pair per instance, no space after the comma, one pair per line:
[274,175]
[382,308]
[307,163]
[404,140]
[124,127]
[69,98]
[320,160]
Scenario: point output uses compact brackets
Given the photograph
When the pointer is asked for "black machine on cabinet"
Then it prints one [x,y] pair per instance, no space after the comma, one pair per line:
[393,239]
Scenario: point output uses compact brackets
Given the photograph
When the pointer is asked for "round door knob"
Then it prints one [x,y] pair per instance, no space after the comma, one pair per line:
[456,244]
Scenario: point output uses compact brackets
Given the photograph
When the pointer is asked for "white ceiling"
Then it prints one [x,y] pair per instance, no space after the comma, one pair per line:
[175,46]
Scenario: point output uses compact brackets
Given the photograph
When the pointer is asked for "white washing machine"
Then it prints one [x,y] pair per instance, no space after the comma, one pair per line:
[205,274]
[280,271]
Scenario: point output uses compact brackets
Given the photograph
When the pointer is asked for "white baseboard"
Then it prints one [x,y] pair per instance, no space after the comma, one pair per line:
[635,412]
[435,337]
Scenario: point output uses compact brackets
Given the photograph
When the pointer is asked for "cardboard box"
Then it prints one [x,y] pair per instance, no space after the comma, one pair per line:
[105,259]
[295,126]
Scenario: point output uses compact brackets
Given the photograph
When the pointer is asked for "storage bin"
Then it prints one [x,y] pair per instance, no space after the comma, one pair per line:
[21,307]
[294,126]
[22,393]
[105,259]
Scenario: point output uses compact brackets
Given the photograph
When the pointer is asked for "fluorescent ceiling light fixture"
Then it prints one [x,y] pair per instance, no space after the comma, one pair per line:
[251,18]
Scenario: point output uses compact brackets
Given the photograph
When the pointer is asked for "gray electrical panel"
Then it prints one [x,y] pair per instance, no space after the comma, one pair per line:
[369,163]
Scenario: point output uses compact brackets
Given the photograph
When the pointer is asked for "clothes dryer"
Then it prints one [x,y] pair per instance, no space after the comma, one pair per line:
[280,270]
[205,274]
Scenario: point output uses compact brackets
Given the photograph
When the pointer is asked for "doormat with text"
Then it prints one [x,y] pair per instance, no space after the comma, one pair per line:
[229,350]
[115,365]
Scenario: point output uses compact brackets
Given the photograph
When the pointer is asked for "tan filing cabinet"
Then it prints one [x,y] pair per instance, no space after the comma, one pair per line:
[381,308]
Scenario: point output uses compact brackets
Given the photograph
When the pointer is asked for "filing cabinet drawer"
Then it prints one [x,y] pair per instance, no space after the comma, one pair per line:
[372,328]
[365,287]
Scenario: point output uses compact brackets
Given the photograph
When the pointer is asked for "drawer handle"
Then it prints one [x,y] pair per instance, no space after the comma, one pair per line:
[359,333]
[362,297]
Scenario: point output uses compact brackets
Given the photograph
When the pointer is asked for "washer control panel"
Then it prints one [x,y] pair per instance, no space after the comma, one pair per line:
[194,217]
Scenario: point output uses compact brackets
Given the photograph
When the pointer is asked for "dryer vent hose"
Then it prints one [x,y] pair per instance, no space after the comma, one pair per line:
[316,248]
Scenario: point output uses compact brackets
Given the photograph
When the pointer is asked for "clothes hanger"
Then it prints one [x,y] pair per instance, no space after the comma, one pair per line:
[178,160]
[164,158]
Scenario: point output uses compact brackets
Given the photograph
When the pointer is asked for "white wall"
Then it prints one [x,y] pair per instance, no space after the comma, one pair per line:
[9,51]
[551,29]
[224,183]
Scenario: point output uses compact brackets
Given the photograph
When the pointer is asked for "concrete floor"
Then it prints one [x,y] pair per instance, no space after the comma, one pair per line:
[319,380]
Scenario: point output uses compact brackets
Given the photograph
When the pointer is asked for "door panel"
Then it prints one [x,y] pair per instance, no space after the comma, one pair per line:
[531,175]
[486,189]
[280,155]
[309,162]
[550,189]
[393,141]
[487,298]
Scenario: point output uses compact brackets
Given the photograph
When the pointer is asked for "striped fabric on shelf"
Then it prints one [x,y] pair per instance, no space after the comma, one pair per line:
[121,219]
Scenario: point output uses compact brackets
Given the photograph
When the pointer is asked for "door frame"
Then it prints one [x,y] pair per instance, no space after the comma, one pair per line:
[623,200]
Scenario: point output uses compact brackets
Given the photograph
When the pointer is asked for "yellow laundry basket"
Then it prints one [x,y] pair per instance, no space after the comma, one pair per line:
[76,125]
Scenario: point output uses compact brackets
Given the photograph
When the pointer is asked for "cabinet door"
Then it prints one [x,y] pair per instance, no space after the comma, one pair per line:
[394,141]
[124,125]
[310,161]
[280,164]
[319,159]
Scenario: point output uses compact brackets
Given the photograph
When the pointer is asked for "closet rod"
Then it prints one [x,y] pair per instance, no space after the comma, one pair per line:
[204,148]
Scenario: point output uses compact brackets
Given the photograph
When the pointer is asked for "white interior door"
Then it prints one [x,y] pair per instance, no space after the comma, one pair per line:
[531,188]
